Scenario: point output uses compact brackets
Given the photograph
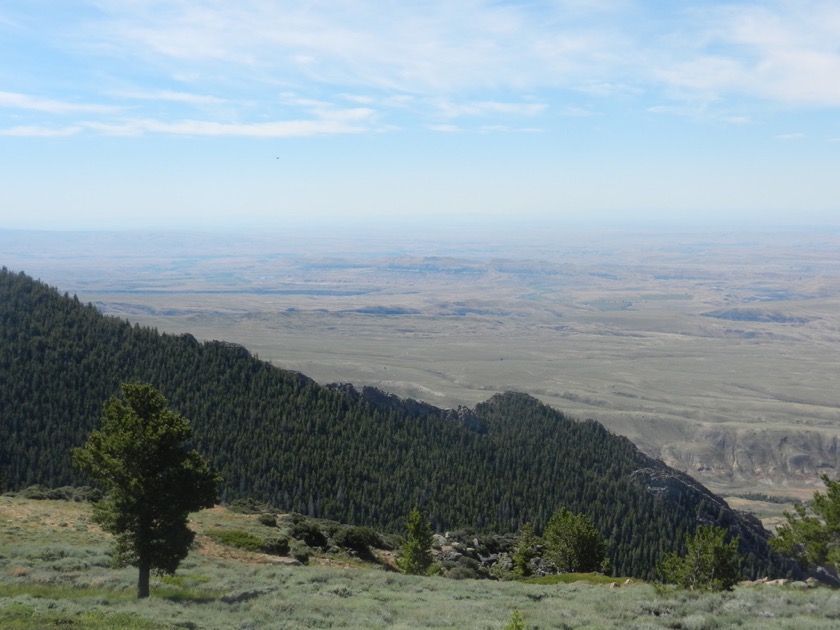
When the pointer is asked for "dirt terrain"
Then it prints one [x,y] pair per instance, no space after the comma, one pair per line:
[714,351]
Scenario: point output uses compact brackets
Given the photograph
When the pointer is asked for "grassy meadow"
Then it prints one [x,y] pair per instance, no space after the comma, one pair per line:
[55,572]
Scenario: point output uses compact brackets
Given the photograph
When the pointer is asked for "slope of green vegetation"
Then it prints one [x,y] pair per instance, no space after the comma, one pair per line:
[361,458]
[55,573]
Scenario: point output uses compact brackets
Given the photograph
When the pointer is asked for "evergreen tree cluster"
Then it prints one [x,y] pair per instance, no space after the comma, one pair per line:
[365,458]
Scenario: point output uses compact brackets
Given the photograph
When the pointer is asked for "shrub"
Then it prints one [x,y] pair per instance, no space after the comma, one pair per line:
[237,538]
[277,546]
[35,492]
[248,506]
[309,533]
[299,552]
[516,622]
[269,520]
[359,539]
[461,573]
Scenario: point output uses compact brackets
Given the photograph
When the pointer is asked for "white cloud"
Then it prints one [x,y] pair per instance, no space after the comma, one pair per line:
[444,128]
[419,47]
[31,131]
[736,120]
[253,61]
[174,97]
[487,108]
[778,51]
[338,122]
[30,103]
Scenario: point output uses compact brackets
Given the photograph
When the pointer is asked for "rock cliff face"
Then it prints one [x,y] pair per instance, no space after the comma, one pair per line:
[781,461]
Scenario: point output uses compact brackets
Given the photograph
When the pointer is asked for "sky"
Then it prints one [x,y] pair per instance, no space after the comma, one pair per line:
[261,114]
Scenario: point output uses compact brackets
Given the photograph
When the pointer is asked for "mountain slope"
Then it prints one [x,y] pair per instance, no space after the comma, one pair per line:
[359,457]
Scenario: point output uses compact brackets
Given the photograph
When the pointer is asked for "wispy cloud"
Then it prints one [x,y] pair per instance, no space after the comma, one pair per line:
[449,109]
[789,137]
[444,128]
[29,131]
[25,102]
[340,122]
[173,97]
[235,65]
[777,51]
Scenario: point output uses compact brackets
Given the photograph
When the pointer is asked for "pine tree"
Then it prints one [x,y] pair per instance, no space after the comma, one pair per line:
[416,553]
[811,534]
[709,563]
[153,481]
[572,543]
[526,550]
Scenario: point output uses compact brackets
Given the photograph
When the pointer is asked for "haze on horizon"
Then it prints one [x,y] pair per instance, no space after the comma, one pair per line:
[259,115]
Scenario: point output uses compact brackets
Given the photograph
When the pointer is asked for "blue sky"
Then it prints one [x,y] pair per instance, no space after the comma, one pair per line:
[258,114]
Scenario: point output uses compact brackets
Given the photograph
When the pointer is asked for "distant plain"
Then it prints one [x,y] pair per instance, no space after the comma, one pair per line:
[718,352]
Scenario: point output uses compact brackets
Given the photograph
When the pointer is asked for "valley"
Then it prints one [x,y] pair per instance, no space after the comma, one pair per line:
[716,352]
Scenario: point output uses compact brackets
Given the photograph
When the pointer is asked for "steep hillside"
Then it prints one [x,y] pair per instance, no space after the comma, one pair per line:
[357,457]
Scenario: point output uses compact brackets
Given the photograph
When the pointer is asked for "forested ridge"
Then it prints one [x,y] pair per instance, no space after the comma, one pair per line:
[360,457]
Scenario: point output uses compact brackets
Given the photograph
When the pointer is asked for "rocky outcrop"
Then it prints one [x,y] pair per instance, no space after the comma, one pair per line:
[414,408]
[681,489]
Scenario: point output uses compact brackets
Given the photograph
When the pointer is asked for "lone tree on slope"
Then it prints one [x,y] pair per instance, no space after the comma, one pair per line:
[709,563]
[416,552]
[573,544]
[153,482]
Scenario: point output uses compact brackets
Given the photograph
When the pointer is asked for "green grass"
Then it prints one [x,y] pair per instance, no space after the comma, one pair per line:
[571,578]
[237,538]
[21,617]
[239,590]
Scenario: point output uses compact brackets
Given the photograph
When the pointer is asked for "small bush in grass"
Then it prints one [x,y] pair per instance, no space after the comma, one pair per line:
[359,539]
[64,493]
[34,492]
[309,533]
[237,538]
[461,573]
[269,520]
[248,506]
[277,546]
[516,622]
[389,541]
[299,551]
